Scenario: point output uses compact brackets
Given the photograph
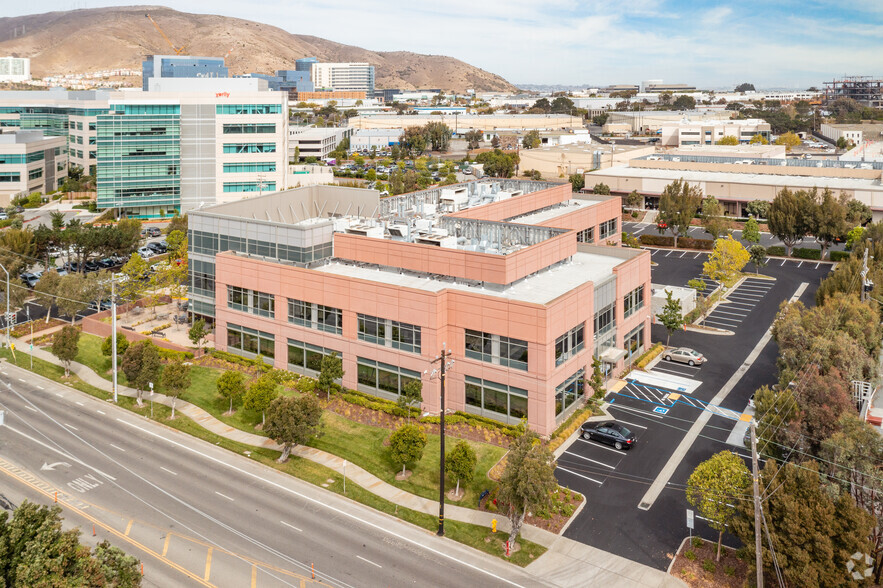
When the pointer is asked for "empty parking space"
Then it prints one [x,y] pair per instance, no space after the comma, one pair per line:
[732,312]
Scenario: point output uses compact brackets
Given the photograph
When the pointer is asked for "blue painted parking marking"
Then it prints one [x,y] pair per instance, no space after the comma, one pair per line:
[660,410]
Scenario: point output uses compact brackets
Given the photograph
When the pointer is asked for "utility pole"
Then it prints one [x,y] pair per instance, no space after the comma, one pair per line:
[441,372]
[8,340]
[755,478]
[113,340]
[28,311]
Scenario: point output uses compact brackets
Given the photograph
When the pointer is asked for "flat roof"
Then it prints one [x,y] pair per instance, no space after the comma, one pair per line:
[551,212]
[741,178]
[540,288]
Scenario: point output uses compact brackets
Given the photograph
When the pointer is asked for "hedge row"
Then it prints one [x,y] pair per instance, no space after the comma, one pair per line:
[840,255]
[683,242]
[649,356]
[567,428]
[378,404]
[776,251]
[173,354]
[807,253]
[475,421]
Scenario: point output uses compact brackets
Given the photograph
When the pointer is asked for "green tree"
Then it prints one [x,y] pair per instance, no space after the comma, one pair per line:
[231,385]
[726,260]
[858,213]
[600,119]
[812,533]
[577,182]
[330,369]
[829,221]
[727,140]
[197,333]
[412,393]
[758,209]
[533,174]
[120,570]
[528,481]
[684,102]
[787,219]
[758,139]
[671,317]
[142,365]
[789,140]
[678,205]
[597,380]
[413,141]
[406,445]
[562,105]
[176,379]
[56,217]
[854,236]
[107,345]
[495,141]
[746,87]
[438,135]
[293,421]
[135,271]
[715,487]
[751,231]
[260,395]
[460,463]
[66,346]
[602,189]
[498,164]
[531,140]
[543,105]
[757,255]
[46,290]
[634,199]
[473,139]
[713,218]
[697,284]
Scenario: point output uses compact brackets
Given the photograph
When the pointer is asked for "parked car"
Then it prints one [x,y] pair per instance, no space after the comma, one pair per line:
[107,263]
[154,232]
[71,267]
[610,432]
[146,252]
[91,266]
[55,252]
[3,215]
[30,279]
[685,355]
[157,247]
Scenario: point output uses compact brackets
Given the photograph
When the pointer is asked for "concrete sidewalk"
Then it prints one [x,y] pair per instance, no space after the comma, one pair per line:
[566,563]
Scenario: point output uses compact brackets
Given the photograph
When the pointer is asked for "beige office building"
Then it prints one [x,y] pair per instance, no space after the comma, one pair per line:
[560,161]
[470,122]
[30,162]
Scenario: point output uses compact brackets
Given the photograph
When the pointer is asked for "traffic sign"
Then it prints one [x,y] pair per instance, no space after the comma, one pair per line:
[690,519]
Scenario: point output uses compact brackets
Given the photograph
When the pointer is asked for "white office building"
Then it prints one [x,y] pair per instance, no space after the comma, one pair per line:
[344,77]
[15,69]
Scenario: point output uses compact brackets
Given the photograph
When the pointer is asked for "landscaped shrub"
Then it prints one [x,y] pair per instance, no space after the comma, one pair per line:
[573,422]
[690,554]
[658,240]
[708,565]
[379,405]
[691,243]
[475,421]
[807,253]
[172,354]
[649,356]
[775,251]
[840,255]
[697,542]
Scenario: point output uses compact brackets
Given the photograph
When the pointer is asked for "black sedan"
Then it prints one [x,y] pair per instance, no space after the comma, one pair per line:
[610,433]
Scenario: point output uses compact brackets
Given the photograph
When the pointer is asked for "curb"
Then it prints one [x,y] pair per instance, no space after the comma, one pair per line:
[675,558]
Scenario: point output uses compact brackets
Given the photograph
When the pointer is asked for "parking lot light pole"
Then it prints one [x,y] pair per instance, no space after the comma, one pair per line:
[441,373]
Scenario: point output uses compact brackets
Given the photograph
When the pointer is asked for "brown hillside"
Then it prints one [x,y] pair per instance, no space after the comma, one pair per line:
[107,38]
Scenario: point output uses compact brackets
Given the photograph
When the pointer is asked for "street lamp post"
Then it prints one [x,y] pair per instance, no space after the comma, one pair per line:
[113,327]
[7,305]
[441,372]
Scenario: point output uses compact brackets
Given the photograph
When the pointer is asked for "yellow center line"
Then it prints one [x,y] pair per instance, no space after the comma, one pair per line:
[208,564]
[165,547]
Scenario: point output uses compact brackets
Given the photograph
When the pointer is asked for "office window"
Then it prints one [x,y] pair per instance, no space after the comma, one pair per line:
[496,349]
[634,342]
[248,128]
[35,174]
[315,316]
[384,377]
[605,321]
[389,333]
[568,392]
[485,395]
[10,176]
[203,242]
[249,187]
[245,340]
[570,343]
[607,228]
[202,277]
[249,147]
[633,301]
[248,109]
[246,300]
[236,168]
[586,235]
[303,356]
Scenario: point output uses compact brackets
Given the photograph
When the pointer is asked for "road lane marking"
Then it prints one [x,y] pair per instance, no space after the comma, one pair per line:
[29,407]
[41,388]
[165,547]
[292,526]
[168,470]
[117,448]
[224,496]
[208,564]
[59,394]
[101,412]
[591,460]
[637,411]
[363,559]
[675,459]
[580,475]
[22,380]
[339,511]
[59,452]
[80,403]
[129,528]
[71,427]
[631,424]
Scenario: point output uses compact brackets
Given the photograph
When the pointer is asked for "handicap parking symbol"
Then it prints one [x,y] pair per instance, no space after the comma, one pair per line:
[660,410]
[682,389]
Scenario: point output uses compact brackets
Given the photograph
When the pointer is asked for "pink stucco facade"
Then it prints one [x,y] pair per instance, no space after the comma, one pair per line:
[444,314]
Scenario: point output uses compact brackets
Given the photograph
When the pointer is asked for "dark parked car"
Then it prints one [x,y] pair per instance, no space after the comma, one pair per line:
[91,266]
[107,263]
[154,232]
[610,433]
[157,247]
[71,267]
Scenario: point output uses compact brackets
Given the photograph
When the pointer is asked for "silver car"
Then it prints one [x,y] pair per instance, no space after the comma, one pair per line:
[685,355]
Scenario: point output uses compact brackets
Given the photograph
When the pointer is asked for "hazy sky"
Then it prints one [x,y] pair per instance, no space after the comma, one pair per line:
[771,43]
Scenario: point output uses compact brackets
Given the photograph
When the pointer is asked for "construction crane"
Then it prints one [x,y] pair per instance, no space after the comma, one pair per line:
[177,50]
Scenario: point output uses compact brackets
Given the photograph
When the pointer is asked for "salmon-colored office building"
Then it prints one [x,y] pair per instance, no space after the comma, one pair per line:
[523,281]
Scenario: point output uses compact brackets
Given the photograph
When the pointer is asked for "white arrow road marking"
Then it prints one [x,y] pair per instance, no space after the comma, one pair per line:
[51,467]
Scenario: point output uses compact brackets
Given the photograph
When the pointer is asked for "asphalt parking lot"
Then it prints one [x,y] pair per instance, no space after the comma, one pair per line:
[622,513]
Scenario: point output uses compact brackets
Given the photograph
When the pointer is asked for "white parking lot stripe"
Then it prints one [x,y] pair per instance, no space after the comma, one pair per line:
[669,253]
[745,296]
[731,319]
[721,325]
[783,262]
[742,314]
[580,475]
[591,460]
[599,446]
[800,264]
[682,255]
[697,255]
[630,424]
[741,304]
[817,265]
[635,411]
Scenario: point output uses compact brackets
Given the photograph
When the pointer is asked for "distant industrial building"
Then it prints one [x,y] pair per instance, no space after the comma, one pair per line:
[374,138]
[560,161]
[31,162]
[460,123]
[866,90]
[315,142]
[658,86]
[687,132]
[15,69]
[343,77]
[181,66]
[327,95]
[852,132]
[652,121]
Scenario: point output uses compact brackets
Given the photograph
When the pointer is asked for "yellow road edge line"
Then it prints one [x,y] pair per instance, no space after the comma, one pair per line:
[208,564]
[109,529]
